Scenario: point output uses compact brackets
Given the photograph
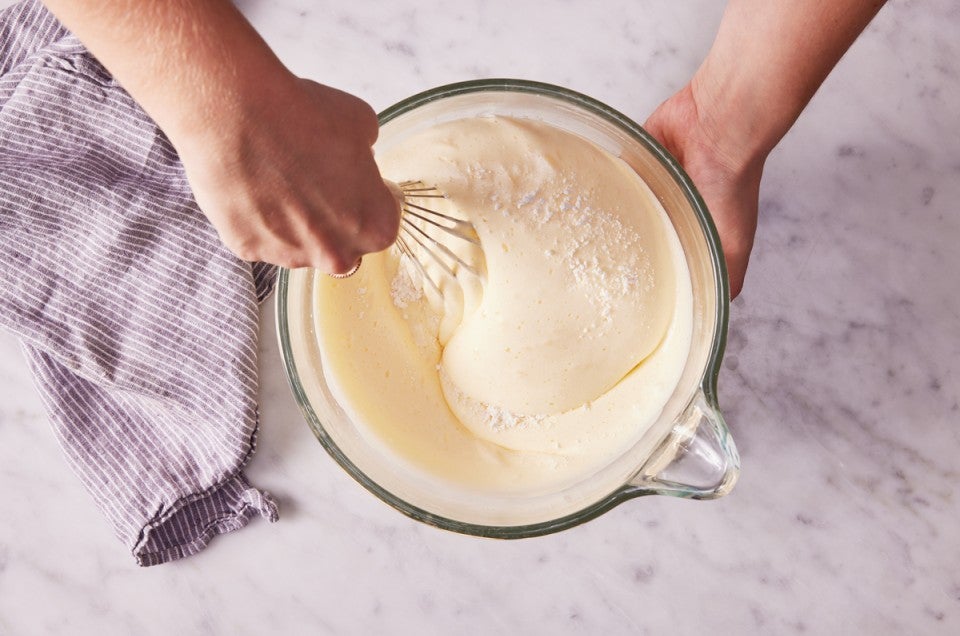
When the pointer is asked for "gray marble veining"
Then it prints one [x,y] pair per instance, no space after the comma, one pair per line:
[841,381]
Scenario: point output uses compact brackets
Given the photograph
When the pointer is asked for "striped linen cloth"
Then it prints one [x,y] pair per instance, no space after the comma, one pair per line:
[138,325]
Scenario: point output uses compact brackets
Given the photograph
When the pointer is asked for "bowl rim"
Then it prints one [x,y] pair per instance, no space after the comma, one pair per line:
[708,381]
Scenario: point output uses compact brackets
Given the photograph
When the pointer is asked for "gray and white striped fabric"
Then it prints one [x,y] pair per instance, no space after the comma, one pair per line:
[139,326]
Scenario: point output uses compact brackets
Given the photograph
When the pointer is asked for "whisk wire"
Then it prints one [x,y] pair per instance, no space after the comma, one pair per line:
[439,246]
[406,251]
[416,233]
[460,229]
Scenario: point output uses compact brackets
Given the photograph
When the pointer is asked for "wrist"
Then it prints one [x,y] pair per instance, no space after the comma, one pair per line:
[207,116]
[195,83]
[734,117]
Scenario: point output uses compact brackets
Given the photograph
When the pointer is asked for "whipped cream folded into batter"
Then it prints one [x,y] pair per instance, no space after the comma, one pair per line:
[553,361]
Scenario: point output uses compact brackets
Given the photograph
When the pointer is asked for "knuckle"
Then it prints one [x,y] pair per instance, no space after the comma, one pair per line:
[351,225]
[363,111]
[242,248]
[367,121]
[381,232]
[289,258]
[294,262]
[383,236]
[335,262]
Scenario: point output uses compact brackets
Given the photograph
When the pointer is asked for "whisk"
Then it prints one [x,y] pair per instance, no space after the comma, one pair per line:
[426,233]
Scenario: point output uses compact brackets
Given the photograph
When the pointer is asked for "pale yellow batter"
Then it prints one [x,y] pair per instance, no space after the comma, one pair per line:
[554,361]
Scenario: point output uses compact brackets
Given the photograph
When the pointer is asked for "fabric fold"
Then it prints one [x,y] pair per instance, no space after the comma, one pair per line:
[139,326]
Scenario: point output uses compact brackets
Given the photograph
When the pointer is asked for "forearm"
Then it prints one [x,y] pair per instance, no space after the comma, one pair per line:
[768,60]
[187,62]
[282,166]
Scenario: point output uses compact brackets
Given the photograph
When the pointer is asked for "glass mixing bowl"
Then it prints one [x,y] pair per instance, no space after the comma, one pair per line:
[694,455]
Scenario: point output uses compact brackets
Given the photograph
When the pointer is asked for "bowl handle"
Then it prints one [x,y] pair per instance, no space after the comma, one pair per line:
[698,460]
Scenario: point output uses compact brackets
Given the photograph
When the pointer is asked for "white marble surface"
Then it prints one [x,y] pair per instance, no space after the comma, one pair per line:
[841,382]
